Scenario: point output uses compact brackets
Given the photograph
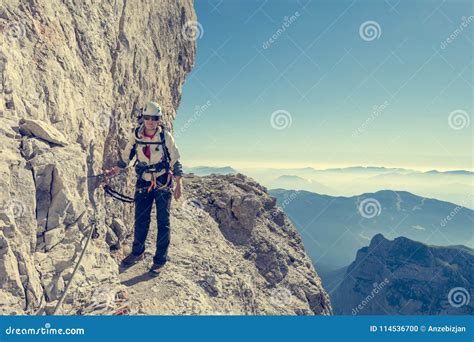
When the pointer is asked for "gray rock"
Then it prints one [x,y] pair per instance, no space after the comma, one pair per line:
[232,255]
[54,288]
[61,257]
[60,186]
[9,274]
[53,237]
[30,279]
[32,147]
[89,67]
[245,210]
[111,238]
[406,277]
[7,128]
[43,130]
[119,228]
[212,284]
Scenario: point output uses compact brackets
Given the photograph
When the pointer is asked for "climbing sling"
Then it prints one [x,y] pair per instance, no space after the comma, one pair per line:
[117,195]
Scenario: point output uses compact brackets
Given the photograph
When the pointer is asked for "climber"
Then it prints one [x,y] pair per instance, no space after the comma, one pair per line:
[156,164]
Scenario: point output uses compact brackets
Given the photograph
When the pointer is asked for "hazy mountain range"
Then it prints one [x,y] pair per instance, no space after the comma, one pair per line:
[207,170]
[454,186]
[334,228]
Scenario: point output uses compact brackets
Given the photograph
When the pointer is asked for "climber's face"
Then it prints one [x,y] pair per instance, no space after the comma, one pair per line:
[151,123]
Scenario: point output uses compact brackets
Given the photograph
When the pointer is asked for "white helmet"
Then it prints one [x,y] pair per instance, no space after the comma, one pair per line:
[152,109]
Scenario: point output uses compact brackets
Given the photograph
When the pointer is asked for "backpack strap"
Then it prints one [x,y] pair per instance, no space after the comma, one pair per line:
[166,159]
[166,153]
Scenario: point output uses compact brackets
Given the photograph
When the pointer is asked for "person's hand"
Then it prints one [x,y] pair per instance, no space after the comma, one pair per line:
[112,172]
[177,189]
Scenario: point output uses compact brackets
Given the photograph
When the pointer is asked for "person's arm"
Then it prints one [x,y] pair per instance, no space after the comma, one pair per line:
[175,163]
[125,157]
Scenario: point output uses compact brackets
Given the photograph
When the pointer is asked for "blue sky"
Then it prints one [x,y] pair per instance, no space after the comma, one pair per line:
[343,96]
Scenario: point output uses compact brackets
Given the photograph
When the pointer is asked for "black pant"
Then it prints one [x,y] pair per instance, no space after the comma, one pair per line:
[143,205]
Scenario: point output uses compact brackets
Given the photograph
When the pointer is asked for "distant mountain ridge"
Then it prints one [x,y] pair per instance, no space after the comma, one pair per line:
[288,171]
[208,170]
[292,177]
[451,186]
[334,228]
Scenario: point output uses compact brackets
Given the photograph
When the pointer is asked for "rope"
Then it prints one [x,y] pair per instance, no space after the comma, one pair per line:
[60,302]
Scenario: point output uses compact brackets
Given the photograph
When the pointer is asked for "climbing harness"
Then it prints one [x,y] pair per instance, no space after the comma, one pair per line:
[142,167]
[163,165]
[154,183]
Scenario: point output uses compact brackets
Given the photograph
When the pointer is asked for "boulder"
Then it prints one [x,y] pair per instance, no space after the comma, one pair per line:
[43,130]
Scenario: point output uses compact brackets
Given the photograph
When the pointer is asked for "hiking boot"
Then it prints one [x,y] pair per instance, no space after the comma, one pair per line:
[156,268]
[131,259]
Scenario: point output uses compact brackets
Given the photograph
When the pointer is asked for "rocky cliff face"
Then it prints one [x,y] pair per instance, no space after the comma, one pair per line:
[72,76]
[405,277]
